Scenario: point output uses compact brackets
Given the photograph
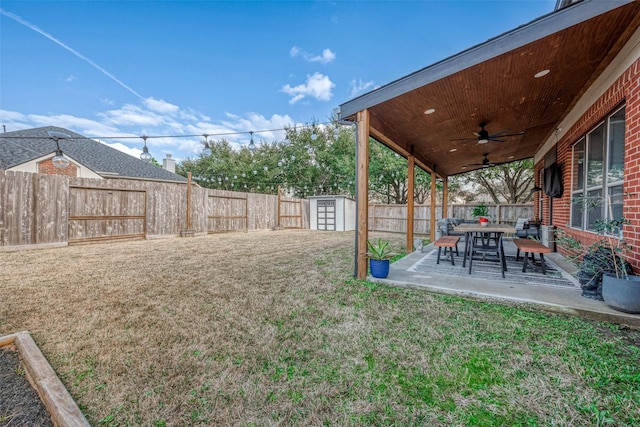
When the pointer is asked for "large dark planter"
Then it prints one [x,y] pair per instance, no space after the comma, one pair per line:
[379,268]
[594,264]
[621,294]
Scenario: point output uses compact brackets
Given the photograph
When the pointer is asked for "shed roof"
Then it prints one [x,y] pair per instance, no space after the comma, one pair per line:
[23,146]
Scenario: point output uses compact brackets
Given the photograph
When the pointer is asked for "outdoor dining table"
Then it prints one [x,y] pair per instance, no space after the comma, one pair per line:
[470,229]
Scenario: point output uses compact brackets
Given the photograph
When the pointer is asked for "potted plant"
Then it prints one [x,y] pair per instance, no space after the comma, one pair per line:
[604,273]
[379,255]
[620,287]
[482,213]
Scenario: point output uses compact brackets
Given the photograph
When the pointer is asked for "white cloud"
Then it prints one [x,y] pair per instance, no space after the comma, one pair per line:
[70,78]
[122,127]
[135,152]
[131,115]
[160,106]
[358,86]
[326,57]
[317,86]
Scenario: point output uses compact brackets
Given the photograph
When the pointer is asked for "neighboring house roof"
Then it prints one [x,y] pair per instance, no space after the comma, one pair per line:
[27,145]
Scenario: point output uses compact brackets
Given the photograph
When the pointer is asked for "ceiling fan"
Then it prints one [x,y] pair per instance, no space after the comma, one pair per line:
[483,135]
[486,163]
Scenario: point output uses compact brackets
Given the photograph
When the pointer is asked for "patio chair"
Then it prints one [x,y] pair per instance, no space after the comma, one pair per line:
[481,245]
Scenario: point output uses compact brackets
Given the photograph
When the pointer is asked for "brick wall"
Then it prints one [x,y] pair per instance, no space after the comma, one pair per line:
[625,90]
[48,167]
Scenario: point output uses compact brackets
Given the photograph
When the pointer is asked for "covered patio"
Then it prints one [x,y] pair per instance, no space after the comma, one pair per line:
[558,291]
[501,101]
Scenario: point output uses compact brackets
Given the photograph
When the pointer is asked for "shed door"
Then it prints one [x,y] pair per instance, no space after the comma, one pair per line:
[327,215]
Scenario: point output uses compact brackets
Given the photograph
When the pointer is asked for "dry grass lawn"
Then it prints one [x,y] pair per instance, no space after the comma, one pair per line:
[269,328]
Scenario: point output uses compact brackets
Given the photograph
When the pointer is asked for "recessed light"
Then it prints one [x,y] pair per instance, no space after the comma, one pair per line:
[430,111]
[453,149]
[464,167]
[541,73]
[511,157]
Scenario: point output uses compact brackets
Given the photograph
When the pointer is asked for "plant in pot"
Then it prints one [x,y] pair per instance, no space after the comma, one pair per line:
[379,255]
[604,273]
[606,258]
[482,213]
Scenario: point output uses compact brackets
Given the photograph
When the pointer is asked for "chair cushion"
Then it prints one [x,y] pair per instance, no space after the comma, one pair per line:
[521,223]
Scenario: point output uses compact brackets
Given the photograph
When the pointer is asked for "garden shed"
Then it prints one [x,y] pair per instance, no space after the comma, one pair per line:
[332,213]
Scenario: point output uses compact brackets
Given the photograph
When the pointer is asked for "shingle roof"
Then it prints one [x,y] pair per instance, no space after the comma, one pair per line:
[26,145]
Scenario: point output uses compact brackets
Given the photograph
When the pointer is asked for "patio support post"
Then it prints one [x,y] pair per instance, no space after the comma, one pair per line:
[410,207]
[445,196]
[432,220]
[362,191]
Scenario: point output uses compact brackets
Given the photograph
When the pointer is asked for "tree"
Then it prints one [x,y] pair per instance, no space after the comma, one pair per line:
[509,182]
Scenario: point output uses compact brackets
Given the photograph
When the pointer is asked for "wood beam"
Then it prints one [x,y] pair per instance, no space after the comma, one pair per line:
[381,137]
[445,197]
[410,203]
[432,219]
[362,175]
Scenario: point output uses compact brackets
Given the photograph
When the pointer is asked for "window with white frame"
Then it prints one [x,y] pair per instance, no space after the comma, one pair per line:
[597,169]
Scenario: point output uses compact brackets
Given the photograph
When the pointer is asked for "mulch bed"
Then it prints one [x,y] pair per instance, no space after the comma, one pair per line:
[20,405]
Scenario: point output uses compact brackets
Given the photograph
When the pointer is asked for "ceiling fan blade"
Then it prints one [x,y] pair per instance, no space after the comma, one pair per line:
[497,139]
[505,133]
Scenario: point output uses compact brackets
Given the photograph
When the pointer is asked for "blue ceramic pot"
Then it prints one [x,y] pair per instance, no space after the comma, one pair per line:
[379,268]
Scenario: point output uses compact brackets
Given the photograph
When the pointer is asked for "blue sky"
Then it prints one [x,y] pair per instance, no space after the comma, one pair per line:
[132,68]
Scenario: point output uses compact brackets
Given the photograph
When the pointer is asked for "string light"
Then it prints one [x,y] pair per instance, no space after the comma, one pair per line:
[207,149]
[59,160]
[145,156]
[252,145]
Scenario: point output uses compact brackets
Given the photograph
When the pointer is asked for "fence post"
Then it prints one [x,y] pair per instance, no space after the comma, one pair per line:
[188,232]
[279,196]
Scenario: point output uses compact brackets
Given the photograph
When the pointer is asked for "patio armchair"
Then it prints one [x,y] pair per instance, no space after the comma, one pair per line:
[446,227]
[526,229]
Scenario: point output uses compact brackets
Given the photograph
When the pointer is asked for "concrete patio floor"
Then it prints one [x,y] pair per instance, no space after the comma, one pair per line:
[566,299]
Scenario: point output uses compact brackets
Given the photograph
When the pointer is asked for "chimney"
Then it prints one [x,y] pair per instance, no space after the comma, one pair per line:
[169,164]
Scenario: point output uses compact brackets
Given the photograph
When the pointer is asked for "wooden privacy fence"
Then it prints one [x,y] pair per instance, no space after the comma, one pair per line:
[51,210]
[393,218]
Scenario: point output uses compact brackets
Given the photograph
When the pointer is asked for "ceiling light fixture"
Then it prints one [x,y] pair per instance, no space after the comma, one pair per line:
[430,111]
[453,150]
[59,160]
[541,73]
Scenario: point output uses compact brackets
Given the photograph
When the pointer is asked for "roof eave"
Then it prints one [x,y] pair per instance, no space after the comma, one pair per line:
[516,38]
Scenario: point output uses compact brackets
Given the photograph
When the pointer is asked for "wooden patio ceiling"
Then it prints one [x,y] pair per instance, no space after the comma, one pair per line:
[499,89]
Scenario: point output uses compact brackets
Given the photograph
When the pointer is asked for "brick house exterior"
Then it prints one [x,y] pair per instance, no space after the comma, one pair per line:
[623,91]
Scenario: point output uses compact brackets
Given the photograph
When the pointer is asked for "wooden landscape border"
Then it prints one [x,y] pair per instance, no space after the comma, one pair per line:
[59,403]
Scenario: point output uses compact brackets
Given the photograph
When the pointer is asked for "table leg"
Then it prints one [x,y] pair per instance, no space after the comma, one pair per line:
[467,237]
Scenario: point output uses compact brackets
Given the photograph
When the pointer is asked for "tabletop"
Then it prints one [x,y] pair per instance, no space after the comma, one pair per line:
[491,228]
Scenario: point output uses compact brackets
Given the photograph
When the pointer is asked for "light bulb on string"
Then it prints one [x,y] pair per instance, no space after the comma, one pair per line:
[59,160]
[207,149]
[145,156]
[252,145]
